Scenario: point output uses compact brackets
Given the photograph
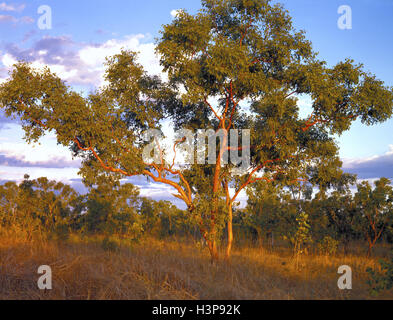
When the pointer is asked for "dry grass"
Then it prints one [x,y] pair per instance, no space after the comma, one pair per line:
[158,270]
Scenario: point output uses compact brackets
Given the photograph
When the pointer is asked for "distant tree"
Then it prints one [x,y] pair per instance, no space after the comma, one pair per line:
[375,209]
[169,220]
[244,54]
[268,210]
[54,200]
[340,209]
[9,204]
[150,217]
[113,209]
[38,206]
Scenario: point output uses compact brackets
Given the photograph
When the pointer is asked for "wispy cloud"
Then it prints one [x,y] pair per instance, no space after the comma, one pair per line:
[26,19]
[7,18]
[11,7]
[52,163]
[80,63]
[372,167]
[29,35]
[11,19]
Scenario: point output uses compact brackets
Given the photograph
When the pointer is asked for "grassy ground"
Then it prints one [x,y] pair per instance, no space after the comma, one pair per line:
[153,269]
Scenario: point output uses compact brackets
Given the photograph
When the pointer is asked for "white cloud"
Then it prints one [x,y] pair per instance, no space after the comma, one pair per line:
[8,60]
[42,159]
[26,19]
[371,167]
[350,163]
[46,148]
[8,18]
[174,13]
[81,63]
[9,7]
[93,56]
[65,175]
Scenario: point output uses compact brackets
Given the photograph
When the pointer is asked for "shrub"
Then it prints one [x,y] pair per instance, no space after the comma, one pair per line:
[381,280]
[328,246]
[109,245]
[301,240]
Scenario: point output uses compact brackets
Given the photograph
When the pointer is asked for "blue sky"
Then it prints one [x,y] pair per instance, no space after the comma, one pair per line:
[84,32]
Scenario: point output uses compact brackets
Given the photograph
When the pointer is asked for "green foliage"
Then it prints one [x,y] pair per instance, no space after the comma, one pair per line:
[38,207]
[335,215]
[381,280]
[43,208]
[210,215]
[302,238]
[375,209]
[328,246]
[109,244]
[269,209]
[113,209]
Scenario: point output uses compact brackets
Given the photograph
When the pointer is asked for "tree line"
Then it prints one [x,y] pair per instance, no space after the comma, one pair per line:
[42,208]
[298,216]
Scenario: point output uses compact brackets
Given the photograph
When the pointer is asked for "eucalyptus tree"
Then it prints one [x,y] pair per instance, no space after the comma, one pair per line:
[268,209]
[8,203]
[339,210]
[111,208]
[236,64]
[37,205]
[54,202]
[247,56]
[374,209]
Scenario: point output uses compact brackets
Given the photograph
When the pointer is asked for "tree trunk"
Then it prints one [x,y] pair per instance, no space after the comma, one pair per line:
[212,245]
[370,246]
[259,241]
[230,232]
[216,187]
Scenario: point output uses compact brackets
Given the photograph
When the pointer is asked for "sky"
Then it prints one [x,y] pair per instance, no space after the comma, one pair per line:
[83,33]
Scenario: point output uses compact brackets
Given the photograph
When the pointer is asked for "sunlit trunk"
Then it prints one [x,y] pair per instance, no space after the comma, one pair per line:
[212,245]
[370,247]
[230,232]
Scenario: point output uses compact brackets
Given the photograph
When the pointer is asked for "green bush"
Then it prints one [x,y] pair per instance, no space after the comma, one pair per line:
[109,245]
[381,280]
[302,239]
[328,246]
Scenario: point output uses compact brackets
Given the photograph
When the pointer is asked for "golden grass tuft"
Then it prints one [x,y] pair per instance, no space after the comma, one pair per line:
[154,269]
